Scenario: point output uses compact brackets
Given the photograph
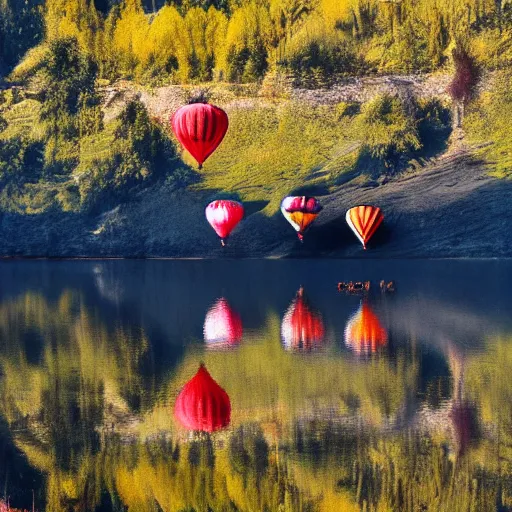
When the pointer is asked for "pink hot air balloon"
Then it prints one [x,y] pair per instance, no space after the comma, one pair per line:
[222,325]
[202,404]
[223,216]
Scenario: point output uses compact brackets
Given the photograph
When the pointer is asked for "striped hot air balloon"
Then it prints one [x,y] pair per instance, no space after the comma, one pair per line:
[364,221]
[200,128]
[223,216]
[202,404]
[300,212]
[364,333]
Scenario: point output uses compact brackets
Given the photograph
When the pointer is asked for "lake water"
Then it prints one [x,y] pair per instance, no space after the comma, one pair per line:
[309,399]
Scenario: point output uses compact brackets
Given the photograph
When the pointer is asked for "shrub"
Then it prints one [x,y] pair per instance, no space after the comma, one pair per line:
[3,123]
[434,123]
[181,177]
[20,162]
[141,153]
[276,84]
[319,62]
[347,109]
[145,147]
[390,131]
[68,85]
[32,62]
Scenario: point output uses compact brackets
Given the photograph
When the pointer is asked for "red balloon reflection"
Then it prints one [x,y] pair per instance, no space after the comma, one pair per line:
[465,425]
[364,333]
[222,325]
[302,328]
[202,404]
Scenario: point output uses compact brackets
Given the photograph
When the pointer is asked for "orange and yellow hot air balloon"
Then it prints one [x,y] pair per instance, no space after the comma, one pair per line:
[364,333]
[300,212]
[364,221]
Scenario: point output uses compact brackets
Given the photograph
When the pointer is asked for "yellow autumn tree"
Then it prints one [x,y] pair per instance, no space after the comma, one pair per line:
[250,35]
[78,19]
[167,45]
[130,35]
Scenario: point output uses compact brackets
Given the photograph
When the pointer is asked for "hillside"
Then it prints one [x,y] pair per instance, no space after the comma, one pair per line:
[442,205]
[106,177]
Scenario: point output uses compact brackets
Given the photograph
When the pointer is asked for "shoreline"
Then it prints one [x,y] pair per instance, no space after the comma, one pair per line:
[262,258]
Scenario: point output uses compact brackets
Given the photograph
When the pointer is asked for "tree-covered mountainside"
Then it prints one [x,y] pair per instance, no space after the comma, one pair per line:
[241,40]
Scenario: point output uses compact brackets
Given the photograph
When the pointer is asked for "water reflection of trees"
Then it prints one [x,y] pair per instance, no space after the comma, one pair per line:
[309,432]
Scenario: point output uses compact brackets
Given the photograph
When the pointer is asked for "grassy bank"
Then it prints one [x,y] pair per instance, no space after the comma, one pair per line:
[488,123]
[272,148]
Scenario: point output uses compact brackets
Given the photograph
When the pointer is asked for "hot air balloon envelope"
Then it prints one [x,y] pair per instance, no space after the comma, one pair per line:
[222,325]
[302,328]
[200,128]
[223,216]
[364,333]
[364,221]
[202,404]
[300,212]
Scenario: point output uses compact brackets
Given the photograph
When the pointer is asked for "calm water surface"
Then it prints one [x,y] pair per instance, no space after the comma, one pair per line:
[309,399]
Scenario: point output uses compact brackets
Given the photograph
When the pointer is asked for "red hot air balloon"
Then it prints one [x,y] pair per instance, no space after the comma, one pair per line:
[364,333]
[202,404]
[300,212]
[223,216]
[222,325]
[364,221]
[200,128]
[302,328]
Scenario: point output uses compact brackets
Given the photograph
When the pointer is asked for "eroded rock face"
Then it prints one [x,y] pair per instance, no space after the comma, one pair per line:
[362,89]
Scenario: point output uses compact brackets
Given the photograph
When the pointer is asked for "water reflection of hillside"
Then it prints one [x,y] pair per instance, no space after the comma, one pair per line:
[88,388]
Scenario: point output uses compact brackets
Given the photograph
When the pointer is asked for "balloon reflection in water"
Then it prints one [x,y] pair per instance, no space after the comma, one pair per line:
[464,420]
[202,404]
[364,333]
[463,413]
[302,328]
[222,325]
